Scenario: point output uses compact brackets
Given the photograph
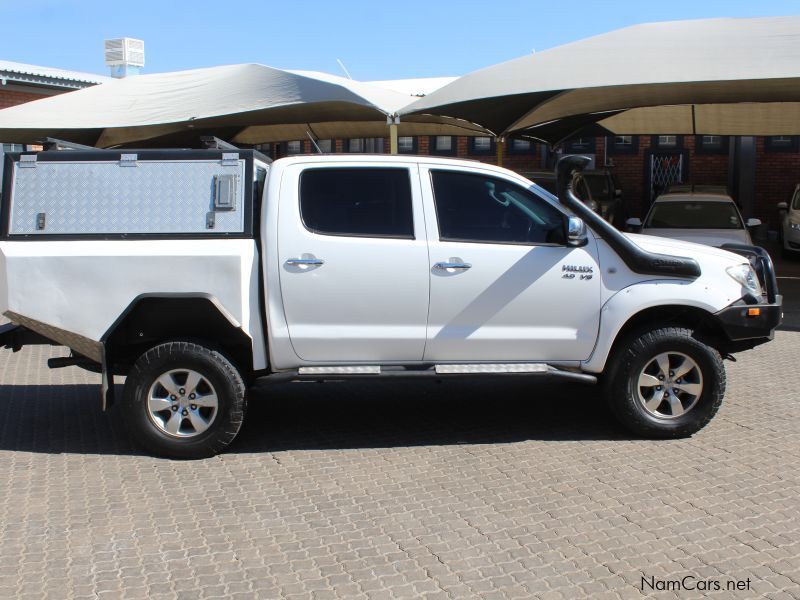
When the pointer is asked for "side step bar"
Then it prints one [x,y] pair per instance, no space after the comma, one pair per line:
[444,371]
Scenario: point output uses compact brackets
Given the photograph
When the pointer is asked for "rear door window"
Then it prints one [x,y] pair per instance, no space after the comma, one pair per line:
[357,201]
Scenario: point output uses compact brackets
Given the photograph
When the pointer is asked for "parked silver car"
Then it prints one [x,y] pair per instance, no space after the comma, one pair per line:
[789,231]
[706,218]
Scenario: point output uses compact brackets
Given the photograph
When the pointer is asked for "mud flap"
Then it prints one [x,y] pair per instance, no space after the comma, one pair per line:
[107,380]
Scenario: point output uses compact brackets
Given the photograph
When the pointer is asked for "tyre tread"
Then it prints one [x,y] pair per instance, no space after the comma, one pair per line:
[210,445]
[630,352]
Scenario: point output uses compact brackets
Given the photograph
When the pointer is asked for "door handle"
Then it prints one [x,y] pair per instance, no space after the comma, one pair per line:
[452,265]
[304,262]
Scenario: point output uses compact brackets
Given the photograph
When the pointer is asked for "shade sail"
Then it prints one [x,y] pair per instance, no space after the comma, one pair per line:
[692,67]
[250,103]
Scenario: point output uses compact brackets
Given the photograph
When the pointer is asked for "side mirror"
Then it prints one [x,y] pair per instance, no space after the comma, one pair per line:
[783,206]
[753,223]
[576,232]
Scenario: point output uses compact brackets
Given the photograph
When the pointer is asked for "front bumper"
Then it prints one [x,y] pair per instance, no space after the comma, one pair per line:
[752,323]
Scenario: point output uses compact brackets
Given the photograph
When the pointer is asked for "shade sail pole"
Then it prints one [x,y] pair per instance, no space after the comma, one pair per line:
[392,121]
[499,145]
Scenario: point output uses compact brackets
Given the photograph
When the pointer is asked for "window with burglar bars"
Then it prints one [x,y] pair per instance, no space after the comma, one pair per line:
[665,169]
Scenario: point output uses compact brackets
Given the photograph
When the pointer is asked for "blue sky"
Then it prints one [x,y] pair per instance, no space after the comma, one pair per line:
[375,40]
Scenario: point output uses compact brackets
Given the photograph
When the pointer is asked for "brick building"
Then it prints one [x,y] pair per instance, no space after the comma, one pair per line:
[643,164]
[21,83]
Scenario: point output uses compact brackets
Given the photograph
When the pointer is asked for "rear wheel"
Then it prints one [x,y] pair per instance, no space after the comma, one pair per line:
[183,400]
[665,383]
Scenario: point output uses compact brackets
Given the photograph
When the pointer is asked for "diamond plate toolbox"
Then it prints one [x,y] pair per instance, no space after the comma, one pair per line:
[126,197]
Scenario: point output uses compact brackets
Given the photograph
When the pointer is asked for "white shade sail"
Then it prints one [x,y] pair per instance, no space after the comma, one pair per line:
[249,103]
[693,70]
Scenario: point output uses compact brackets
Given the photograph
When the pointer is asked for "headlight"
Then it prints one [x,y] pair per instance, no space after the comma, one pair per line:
[794,225]
[746,276]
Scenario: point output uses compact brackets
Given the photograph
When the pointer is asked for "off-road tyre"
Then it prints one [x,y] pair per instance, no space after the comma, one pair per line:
[634,354]
[219,373]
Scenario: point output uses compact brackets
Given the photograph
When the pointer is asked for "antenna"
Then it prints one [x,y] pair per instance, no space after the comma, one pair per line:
[314,142]
[346,72]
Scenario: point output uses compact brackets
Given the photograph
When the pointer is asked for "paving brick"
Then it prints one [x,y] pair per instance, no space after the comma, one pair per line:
[374,490]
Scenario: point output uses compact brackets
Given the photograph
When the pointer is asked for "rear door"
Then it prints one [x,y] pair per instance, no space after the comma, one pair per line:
[354,262]
[504,285]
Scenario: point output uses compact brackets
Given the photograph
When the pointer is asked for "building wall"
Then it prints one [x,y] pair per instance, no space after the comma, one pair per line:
[14,97]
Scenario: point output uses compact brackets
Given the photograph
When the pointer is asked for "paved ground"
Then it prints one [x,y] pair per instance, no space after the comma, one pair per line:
[490,490]
[493,490]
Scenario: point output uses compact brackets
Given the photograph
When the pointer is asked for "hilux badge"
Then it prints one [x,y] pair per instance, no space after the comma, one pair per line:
[570,271]
[577,269]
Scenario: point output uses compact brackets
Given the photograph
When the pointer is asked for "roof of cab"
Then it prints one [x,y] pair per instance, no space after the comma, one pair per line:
[393,158]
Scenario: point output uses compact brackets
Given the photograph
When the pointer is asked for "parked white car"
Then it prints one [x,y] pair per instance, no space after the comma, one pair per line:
[790,224]
[196,273]
[709,218]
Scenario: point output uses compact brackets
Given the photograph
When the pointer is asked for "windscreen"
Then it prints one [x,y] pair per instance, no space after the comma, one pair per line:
[694,215]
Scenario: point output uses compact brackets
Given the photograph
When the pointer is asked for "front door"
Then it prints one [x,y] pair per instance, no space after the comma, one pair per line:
[504,285]
[354,262]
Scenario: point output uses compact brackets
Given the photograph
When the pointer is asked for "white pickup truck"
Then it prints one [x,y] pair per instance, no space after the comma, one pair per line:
[195,273]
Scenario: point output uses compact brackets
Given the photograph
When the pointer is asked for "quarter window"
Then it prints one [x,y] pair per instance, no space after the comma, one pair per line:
[711,144]
[325,146]
[355,145]
[518,146]
[371,145]
[477,208]
[623,144]
[294,147]
[782,143]
[667,141]
[581,145]
[443,144]
[481,145]
[364,202]
[406,144]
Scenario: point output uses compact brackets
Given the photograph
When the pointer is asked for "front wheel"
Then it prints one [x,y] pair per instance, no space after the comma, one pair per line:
[183,400]
[666,383]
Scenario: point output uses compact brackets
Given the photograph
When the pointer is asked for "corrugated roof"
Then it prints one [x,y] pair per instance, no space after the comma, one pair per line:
[35,74]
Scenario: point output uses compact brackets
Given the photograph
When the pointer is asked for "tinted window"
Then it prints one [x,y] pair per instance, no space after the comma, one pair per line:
[357,201]
[599,185]
[477,208]
[694,215]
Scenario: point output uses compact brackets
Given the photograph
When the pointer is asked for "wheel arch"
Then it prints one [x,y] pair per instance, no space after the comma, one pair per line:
[700,320]
[151,319]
